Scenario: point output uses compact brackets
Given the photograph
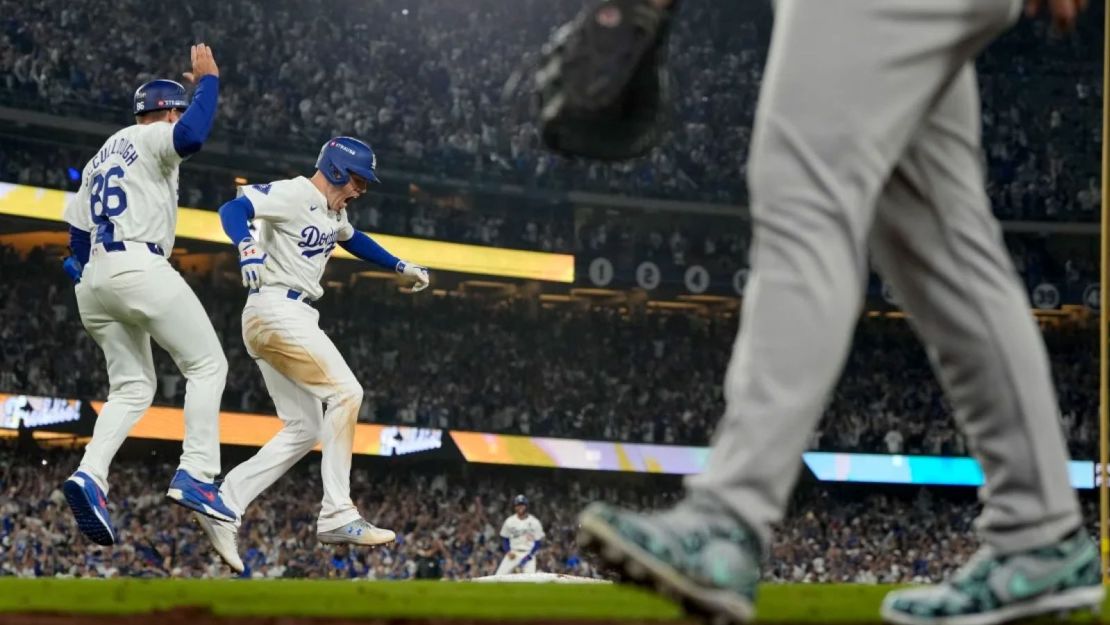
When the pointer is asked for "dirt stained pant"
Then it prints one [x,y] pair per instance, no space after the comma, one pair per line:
[303,370]
[867,138]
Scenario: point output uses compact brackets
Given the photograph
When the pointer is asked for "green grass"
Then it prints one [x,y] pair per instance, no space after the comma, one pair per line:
[784,603]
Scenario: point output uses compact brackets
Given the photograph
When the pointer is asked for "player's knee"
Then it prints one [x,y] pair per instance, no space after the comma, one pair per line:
[219,365]
[307,437]
[349,395]
[139,393]
[212,366]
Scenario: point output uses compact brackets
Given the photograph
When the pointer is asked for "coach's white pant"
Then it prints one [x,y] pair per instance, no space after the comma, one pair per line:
[125,298]
[302,369]
[513,565]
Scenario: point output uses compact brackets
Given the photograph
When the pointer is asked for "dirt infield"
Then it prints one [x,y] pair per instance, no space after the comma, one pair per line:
[202,616]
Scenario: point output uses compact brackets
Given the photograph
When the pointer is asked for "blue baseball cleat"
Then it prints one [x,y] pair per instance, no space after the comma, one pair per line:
[199,496]
[90,508]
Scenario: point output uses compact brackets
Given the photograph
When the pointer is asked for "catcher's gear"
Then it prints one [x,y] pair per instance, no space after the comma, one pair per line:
[601,81]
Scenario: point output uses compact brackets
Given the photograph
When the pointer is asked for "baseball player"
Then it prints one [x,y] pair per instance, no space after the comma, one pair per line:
[300,221]
[521,537]
[122,222]
[866,141]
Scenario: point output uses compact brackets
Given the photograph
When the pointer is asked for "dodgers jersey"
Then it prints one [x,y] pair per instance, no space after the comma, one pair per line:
[129,188]
[297,232]
[522,533]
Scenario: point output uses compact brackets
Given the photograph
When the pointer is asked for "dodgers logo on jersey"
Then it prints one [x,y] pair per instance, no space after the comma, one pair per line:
[314,242]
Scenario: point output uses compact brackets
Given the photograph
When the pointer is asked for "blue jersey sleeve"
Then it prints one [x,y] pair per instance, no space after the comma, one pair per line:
[362,246]
[234,217]
[190,132]
[80,244]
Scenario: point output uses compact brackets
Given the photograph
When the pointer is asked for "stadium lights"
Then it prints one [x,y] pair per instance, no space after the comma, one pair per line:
[710,299]
[591,292]
[486,284]
[674,305]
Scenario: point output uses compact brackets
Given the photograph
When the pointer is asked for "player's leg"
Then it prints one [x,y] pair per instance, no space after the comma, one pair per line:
[846,85]
[940,247]
[832,122]
[176,319]
[507,565]
[286,335]
[131,386]
[529,566]
[302,414]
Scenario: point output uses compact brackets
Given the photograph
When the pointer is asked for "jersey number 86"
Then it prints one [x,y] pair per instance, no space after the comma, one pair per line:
[111,199]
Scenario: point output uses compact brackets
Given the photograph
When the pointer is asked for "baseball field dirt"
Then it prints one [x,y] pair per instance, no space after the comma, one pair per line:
[338,602]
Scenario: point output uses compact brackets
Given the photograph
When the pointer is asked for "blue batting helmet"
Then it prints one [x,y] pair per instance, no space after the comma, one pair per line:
[160,95]
[342,156]
[520,500]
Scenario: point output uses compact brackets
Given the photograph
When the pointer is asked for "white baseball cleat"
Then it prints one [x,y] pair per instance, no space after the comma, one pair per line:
[225,539]
[357,532]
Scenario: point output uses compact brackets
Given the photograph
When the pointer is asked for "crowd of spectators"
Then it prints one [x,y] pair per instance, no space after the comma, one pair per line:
[1041,127]
[447,524]
[466,362]
[673,241]
[424,83]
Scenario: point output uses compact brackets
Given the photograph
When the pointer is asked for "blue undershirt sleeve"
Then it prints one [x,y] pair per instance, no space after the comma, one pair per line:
[190,132]
[234,216]
[362,246]
[80,243]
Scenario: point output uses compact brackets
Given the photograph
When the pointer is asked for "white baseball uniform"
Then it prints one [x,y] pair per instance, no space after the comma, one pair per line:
[129,293]
[523,534]
[301,366]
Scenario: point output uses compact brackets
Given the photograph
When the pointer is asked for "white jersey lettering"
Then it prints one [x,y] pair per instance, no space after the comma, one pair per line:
[129,188]
[522,533]
[297,231]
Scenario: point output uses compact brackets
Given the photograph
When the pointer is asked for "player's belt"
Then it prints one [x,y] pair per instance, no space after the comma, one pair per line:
[119,246]
[292,294]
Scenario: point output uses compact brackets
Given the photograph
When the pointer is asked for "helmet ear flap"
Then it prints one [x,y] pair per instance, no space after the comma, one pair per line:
[336,175]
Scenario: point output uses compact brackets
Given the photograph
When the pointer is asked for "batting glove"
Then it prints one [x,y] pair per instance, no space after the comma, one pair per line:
[73,268]
[251,259]
[416,272]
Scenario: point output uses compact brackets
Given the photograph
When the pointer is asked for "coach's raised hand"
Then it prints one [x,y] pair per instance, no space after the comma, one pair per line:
[204,64]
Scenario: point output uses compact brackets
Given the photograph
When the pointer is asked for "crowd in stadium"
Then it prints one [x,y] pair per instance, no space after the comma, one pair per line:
[465,363]
[442,111]
[447,525]
[672,241]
